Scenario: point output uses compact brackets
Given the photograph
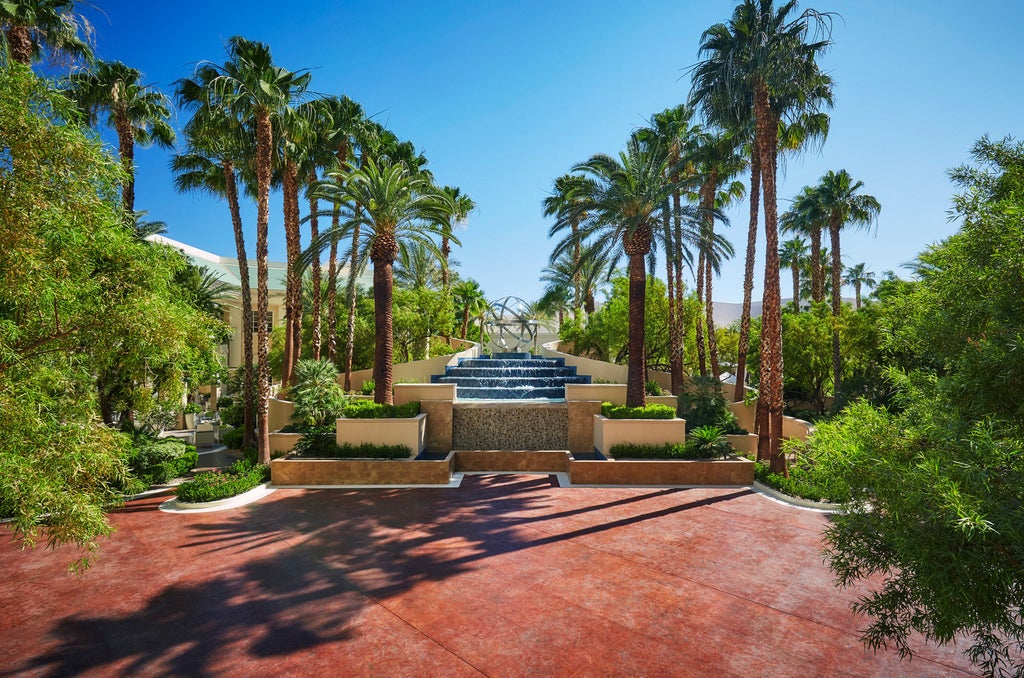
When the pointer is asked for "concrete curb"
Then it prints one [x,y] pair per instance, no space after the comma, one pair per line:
[253,495]
[795,502]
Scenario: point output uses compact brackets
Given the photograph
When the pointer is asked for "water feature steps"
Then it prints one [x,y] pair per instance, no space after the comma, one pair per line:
[511,376]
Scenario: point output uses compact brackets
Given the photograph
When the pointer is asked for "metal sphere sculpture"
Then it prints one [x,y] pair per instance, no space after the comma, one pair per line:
[509,326]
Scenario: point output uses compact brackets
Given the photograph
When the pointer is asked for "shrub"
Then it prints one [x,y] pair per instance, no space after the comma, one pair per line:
[350,451]
[653,411]
[707,442]
[653,388]
[157,461]
[316,442]
[664,451]
[240,477]
[368,387]
[706,406]
[317,396]
[364,409]
[191,408]
[232,438]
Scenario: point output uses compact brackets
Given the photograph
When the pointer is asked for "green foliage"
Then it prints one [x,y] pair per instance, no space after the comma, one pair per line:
[365,409]
[368,387]
[328,449]
[159,461]
[652,411]
[706,442]
[318,397]
[191,408]
[704,449]
[653,388]
[232,438]
[238,478]
[705,405]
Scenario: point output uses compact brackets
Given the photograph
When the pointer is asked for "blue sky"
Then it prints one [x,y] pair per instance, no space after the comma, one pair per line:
[504,97]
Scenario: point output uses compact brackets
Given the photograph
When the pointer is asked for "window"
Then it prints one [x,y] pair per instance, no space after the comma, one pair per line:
[270,322]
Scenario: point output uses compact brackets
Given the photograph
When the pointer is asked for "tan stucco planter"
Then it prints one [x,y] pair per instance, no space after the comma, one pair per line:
[732,471]
[609,432]
[746,442]
[290,472]
[411,432]
[283,442]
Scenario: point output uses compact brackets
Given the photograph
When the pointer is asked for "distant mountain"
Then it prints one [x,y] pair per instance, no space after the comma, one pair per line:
[727,313]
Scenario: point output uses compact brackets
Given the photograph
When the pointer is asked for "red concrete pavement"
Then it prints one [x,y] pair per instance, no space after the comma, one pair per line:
[505,576]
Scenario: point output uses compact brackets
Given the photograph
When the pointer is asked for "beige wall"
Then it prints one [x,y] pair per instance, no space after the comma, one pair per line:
[233,317]
[600,370]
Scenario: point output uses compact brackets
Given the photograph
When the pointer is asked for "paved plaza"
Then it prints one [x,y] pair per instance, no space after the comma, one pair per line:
[507,575]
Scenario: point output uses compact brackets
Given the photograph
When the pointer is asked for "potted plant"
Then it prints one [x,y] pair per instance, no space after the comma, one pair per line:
[652,424]
[190,411]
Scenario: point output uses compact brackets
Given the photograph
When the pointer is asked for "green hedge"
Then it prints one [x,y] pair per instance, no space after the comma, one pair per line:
[350,451]
[666,451]
[652,411]
[232,438]
[158,461]
[240,477]
[365,409]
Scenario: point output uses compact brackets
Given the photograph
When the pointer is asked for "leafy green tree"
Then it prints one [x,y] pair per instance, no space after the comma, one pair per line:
[139,114]
[938,485]
[77,289]
[31,28]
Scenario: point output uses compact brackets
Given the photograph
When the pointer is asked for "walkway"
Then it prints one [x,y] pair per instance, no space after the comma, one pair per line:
[505,576]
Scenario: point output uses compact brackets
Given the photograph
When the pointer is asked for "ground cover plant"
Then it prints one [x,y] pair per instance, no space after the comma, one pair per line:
[704,443]
[236,479]
[653,411]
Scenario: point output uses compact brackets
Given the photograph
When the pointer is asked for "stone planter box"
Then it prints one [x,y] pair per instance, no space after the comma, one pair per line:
[743,443]
[608,432]
[411,432]
[283,442]
[732,471]
[291,472]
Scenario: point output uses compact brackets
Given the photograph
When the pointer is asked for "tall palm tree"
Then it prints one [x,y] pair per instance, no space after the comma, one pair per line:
[417,267]
[398,206]
[217,144]
[253,90]
[564,206]
[624,199]
[857,275]
[844,206]
[31,28]
[763,62]
[792,254]
[459,206]
[806,217]
[470,298]
[139,114]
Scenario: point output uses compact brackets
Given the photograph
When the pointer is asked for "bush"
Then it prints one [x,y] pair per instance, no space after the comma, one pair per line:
[158,461]
[706,406]
[316,442]
[191,408]
[232,438]
[652,411]
[240,477]
[665,451]
[365,409]
[653,388]
[331,450]
[707,442]
[368,387]
[317,396]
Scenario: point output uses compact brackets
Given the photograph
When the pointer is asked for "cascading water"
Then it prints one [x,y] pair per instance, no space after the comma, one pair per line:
[511,376]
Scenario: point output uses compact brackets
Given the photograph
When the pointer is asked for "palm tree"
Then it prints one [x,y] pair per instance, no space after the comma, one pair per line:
[459,206]
[140,115]
[217,144]
[417,267]
[792,254]
[762,62]
[30,28]
[398,206]
[564,206]
[857,276]
[250,88]
[805,217]
[470,298]
[843,205]
[624,199]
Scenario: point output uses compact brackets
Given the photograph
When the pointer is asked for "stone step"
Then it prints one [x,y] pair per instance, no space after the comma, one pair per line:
[495,362]
[510,372]
[508,382]
[520,393]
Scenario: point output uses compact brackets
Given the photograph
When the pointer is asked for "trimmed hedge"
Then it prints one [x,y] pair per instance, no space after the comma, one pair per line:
[365,409]
[159,461]
[238,478]
[666,451]
[652,411]
[350,451]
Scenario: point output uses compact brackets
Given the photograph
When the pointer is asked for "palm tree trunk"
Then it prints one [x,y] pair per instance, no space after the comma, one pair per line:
[19,41]
[465,320]
[856,290]
[837,303]
[771,315]
[677,256]
[383,340]
[577,293]
[817,275]
[350,337]
[126,149]
[332,294]
[709,306]
[264,139]
[315,273]
[675,370]
[748,276]
[795,268]
[701,353]
[637,247]
[293,295]
[248,381]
